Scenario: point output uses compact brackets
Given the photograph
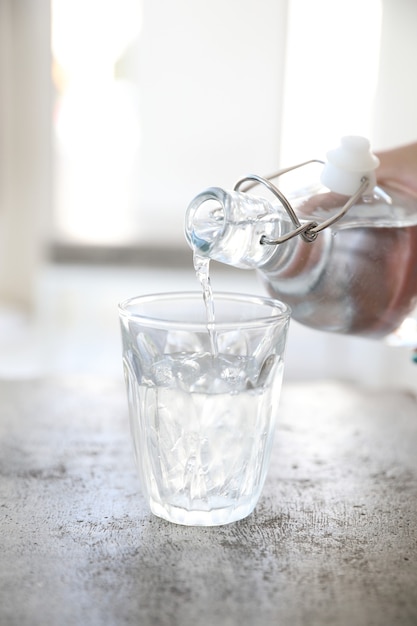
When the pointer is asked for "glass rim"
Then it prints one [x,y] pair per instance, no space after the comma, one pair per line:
[282,310]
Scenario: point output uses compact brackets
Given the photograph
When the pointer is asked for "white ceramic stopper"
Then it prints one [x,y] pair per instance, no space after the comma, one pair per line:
[348,164]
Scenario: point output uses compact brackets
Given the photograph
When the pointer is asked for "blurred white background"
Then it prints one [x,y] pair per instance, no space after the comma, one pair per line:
[115,113]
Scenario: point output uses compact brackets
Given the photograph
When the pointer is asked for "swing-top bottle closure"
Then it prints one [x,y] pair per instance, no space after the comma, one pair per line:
[345,282]
[349,170]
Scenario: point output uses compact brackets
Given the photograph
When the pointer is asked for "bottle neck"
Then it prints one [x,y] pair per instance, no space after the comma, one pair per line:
[228,227]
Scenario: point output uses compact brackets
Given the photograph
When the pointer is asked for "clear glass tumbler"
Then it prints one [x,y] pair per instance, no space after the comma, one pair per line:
[202,422]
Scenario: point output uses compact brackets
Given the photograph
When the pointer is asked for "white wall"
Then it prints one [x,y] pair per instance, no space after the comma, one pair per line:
[332,61]
[350,69]
[395,103]
[210,78]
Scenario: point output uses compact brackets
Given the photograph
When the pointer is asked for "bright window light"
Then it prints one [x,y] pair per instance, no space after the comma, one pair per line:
[96,123]
[331,74]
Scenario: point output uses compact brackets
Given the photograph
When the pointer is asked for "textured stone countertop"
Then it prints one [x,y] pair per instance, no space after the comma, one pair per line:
[332,541]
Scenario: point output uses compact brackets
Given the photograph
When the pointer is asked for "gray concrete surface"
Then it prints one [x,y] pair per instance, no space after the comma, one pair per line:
[332,542]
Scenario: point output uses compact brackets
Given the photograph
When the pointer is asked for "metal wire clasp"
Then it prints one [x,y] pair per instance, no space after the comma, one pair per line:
[308,231]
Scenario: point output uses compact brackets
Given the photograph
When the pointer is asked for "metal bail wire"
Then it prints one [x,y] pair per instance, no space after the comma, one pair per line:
[308,231]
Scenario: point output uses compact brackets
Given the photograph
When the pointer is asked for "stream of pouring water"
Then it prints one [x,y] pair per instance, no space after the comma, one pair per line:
[202,270]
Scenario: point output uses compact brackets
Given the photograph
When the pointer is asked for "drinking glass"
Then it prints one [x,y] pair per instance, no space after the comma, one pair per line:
[203,418]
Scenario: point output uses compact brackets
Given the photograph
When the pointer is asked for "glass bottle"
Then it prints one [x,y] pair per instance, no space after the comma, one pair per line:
[341,251]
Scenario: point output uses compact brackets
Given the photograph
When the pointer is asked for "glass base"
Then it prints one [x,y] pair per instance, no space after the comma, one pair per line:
[213,517]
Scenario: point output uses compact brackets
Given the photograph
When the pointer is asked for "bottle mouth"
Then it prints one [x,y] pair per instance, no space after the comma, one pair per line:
[205,220]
